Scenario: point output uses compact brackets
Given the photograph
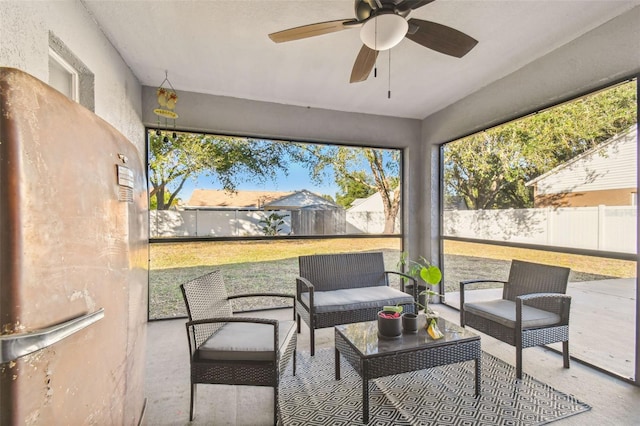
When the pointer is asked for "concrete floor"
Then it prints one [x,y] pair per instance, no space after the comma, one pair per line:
[613,401]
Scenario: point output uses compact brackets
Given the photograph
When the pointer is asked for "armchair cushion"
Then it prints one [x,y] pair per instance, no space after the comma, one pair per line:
[356,298]
[241,341]
[504,312]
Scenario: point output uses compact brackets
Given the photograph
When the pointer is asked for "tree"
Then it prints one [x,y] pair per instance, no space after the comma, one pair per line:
[173,160]
[489,169]
[328,197]
[153,202]
[349,166]
[352,188]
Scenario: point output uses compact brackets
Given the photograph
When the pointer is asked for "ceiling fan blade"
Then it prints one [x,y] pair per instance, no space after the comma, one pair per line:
[412,5]
[365,61]
[441,38]
[373,4]
[311,30]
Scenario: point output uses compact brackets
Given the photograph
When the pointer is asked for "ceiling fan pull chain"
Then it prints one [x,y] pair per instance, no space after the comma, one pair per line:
[389,84]
[375,45]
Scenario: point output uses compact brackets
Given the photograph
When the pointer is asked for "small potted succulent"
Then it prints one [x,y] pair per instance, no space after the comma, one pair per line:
[390,322]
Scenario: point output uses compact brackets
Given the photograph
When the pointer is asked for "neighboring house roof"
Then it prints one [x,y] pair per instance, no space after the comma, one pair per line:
[455,202]
[372,203]
[303,199]
[610,165]
[211,198]
[356,202]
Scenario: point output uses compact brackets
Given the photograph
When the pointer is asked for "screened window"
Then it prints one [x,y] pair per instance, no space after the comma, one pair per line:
[557,187]
[205,185]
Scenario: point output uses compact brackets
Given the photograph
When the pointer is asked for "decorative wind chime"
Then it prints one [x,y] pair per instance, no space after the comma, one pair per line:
[167,99]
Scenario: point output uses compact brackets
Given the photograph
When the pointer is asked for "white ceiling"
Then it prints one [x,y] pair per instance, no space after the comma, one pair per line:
[221,48]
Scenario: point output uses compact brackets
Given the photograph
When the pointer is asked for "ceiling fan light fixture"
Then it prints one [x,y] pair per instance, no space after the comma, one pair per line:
[390,31]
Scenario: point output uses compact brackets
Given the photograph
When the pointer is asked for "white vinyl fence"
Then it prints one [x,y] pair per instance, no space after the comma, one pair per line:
[203,223]
[604,228]
[368,222]
[242,223]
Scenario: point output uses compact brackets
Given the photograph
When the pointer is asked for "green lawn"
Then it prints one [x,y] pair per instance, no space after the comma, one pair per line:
[247,266]
[250,266]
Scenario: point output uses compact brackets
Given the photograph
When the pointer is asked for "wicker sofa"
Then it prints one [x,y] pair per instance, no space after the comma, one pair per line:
[337,289]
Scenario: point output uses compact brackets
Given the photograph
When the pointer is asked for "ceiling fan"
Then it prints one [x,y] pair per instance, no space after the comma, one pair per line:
[383,24]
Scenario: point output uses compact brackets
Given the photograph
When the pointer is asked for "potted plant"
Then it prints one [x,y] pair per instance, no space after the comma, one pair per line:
[390,322]
[431,275]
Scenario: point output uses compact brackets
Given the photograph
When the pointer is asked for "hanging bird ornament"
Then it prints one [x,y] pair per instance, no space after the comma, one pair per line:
[167,99]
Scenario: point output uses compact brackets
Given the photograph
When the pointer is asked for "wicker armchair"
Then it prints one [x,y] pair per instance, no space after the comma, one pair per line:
[533,311]
[335,289]
[234,350]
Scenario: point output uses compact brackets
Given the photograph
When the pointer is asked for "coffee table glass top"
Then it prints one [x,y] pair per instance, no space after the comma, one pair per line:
[364,337]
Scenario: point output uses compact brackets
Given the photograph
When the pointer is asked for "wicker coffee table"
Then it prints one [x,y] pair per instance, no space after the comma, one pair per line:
[374,357]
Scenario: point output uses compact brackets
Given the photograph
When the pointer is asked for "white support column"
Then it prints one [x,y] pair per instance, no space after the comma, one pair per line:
[422,196]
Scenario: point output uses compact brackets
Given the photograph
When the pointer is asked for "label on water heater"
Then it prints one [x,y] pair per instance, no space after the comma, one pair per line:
[125,183]
[125,176]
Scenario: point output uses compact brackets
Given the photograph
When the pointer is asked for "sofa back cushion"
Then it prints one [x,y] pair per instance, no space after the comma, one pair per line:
[341,271]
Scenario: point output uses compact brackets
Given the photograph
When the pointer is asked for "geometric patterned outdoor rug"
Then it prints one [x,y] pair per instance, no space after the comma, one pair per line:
[437,396]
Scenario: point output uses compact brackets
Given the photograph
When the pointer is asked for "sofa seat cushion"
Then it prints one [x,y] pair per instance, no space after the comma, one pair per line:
[504,312]
[352,299]
[243,341]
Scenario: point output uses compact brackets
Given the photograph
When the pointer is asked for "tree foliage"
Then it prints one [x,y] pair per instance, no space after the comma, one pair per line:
[272,224]
[489,169]
[153,202]
[174,160]
[358,171]
[360,185]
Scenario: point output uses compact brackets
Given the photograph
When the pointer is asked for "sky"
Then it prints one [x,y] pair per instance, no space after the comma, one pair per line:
[297,179]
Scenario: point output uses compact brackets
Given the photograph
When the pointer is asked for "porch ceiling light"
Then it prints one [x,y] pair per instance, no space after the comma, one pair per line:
[384,31]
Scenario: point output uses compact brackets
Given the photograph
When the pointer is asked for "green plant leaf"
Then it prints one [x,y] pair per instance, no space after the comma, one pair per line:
[397,309]
[431,275]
